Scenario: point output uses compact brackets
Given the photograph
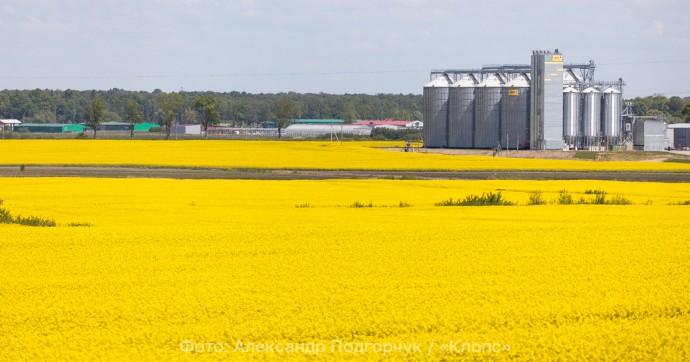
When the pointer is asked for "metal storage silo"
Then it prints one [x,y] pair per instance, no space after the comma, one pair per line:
[612,113]
[592,115]
[436,112]
[571,115]
[515,107]
[461,113]
[487,113]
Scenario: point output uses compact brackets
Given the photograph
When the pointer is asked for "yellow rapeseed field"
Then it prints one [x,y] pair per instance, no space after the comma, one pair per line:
[282,154]
[216,269]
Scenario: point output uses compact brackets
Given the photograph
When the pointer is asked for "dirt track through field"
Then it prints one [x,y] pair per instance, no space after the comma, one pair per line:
[281,174]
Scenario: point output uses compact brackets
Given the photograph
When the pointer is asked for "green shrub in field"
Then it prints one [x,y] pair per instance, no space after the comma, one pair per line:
[7,218]
[564,198]
[490,199]
[535,198]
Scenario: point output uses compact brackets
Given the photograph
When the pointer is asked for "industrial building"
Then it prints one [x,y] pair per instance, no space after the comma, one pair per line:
[179,129]
[679,136]
[546,104]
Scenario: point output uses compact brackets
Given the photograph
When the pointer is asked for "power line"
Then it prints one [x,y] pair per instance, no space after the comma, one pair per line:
[647,62]
[272,74]
[148,76]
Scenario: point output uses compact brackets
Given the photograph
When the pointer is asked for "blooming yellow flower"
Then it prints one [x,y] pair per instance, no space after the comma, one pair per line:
[175,269]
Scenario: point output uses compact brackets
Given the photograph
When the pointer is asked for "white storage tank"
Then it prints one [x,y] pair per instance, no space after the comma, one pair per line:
[591,118]
[612,112]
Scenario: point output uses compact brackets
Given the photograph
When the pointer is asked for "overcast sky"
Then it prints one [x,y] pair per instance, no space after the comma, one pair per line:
[331,46]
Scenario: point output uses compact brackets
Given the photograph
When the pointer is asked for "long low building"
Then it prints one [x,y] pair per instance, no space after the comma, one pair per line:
[389,123]
[50,128]
[309,130]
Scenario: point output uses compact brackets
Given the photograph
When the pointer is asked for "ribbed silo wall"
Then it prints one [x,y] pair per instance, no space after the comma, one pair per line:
[461,117]
[571,114]
[435,116]
[487,119]
[612,114]
[592,114]
[515,108]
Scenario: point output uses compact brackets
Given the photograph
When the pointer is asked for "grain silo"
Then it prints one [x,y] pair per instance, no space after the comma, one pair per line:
[571,115]
[591,118]
[436,112]
[487,112]
[515,107]
[461,113]
[567,106]
[612,114]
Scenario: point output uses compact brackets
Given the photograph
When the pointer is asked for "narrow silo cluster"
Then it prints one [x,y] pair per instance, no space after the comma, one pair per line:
[544,105]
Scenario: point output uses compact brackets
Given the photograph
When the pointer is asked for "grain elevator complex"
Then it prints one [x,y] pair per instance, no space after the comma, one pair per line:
[546,105]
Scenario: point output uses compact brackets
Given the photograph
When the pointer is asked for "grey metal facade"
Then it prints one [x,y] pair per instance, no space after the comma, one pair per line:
[546,114]
[681,138]
[461,114]
[436,112]
[515,106]
[487,113]
[653,134]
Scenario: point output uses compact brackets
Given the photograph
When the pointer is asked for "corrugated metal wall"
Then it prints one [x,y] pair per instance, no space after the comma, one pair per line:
[681,138]
[461,115]
[436,113]
[654,135]
[487,114]
[515,116]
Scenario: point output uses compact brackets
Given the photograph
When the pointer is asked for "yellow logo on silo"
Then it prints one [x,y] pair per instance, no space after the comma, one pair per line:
[513,92]
[557,58]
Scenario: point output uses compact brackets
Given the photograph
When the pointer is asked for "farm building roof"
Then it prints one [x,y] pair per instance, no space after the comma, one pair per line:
[318,121]
[381,122]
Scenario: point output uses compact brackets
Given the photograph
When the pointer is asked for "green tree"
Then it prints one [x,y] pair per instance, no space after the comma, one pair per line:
[348,113]
[286,113]
[206,106]
[96,111]
[675,105]
[170,106]
[134,115]
[686,112]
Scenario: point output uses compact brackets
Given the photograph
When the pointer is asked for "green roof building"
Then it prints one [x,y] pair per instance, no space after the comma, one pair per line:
[318,121]
[144,127]
[50,128]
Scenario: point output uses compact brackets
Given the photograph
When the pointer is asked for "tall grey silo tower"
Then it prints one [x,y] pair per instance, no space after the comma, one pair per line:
[546,116]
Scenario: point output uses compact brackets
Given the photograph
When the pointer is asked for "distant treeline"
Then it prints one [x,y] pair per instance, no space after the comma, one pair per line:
[239,108]
[675,109]
[246,109]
